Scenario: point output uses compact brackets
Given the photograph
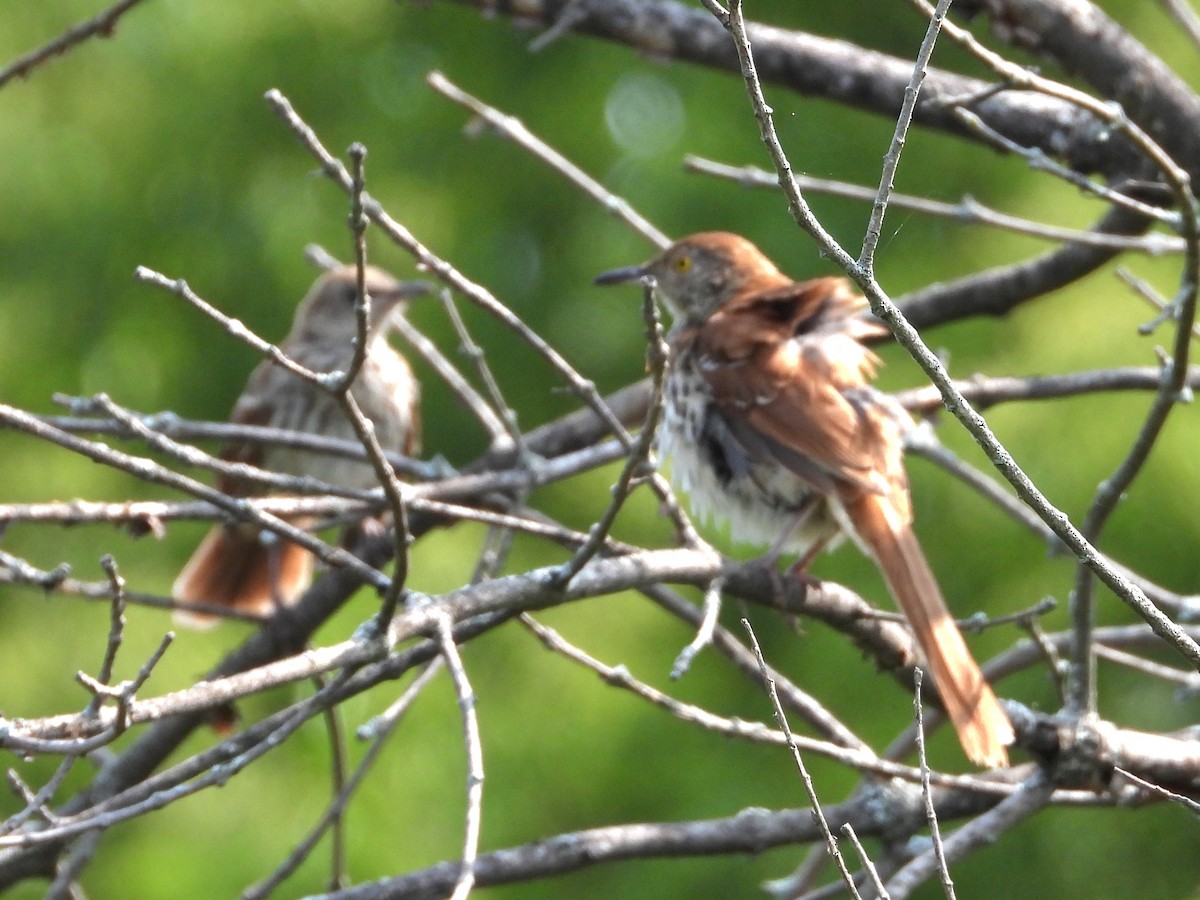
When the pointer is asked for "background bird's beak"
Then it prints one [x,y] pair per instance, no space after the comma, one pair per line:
[405,290]
[620,276]
[388,301]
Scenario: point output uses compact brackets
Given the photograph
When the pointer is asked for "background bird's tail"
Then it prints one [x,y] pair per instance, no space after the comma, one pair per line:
[234,568]
[983,727]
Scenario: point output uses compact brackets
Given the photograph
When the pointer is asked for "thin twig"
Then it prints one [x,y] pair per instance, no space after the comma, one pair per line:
[1023,78]
[362,300]
[103,24]
[795,700]
[1039,161]
[378,730]
[967,211]
[872,873]
[471,399]
[337,770]
[935,831]
[37,803]
[20,571]
[891,160]
[240,472]
[474,353]
[515,130]
[116,628]
[859,756]
[923,442]
[150,471]
[1186,16]
[1188,681]
[474,748]
[1186,802]
[89,820]
[639,455]
[988,391]
[1166,310]
[381,725]
[170,425]
[64,886]
[704,634]
[82,851]
[143,515]
[831,843]
[573,12]
[363,428]
[1029,798]
[235,328]
[1056,668]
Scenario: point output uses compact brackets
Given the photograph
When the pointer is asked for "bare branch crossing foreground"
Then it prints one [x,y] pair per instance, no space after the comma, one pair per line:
[1131,141]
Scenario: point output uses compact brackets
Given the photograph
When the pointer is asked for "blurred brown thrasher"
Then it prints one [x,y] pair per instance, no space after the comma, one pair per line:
[770,421]
[234,566]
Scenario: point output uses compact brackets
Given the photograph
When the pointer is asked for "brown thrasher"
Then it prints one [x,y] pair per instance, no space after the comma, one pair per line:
[770,421]
[234,566]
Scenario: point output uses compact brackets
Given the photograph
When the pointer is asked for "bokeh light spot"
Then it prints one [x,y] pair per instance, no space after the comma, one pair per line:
[644,114]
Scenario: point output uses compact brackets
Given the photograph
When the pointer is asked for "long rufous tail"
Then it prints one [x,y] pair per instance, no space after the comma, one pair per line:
[233,567]
[983,727]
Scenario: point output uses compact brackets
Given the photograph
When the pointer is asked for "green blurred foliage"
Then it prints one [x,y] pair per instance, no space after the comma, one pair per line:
[155,148]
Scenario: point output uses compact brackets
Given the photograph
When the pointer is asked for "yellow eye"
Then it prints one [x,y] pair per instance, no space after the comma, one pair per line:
[681,263]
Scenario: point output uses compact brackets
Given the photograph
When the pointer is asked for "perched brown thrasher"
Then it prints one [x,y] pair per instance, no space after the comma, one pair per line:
[770,421]
[234,566]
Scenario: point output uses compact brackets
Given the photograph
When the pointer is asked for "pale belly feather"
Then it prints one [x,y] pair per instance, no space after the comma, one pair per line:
[763,505]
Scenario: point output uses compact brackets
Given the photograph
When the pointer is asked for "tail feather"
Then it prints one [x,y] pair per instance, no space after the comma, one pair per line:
[232,567]
[982,726]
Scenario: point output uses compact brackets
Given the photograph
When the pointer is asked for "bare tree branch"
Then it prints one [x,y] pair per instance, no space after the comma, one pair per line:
[1130,139]
[839,71]
[103,24]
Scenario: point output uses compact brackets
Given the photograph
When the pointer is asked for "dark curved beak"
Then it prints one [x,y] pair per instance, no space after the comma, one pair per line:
[620,276]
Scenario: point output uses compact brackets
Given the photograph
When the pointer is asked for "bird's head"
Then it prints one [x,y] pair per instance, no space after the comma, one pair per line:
[328,308]
[697,275]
